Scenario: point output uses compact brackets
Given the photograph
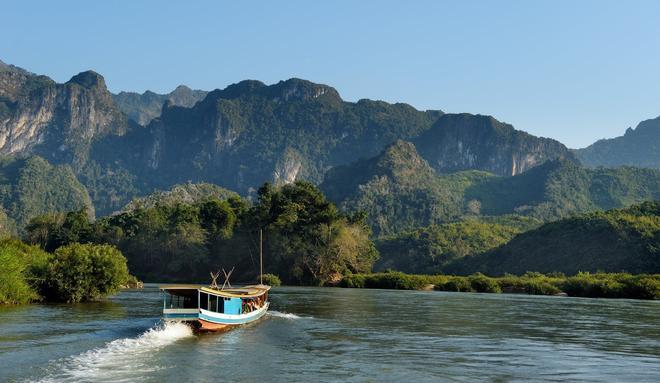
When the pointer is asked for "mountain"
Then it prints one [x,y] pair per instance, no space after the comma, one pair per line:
[465,141]
[613,241]
[637,147]
[246,134]
[31,187]
[250,132]
[56,121]
[399,191]
[142,108]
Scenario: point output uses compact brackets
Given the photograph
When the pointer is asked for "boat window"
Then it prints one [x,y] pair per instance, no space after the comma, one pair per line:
[181,299]
[203,301]
[213,303]
[221,305]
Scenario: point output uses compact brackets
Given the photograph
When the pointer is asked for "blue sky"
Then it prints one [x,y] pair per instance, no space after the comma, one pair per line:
[576,71]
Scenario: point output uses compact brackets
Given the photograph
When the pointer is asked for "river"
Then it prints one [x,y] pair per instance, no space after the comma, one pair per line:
[343,335]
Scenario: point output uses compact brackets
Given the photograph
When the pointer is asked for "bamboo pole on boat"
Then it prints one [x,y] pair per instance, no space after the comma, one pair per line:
[261,257]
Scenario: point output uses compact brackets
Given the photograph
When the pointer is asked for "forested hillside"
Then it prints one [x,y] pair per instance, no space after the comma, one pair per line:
[613,241]
[31,187]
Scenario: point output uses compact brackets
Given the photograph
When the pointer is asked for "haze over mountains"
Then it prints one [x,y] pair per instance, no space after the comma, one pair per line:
[391,160]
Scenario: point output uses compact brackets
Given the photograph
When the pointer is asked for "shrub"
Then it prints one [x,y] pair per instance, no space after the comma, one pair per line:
[21,268]
[483,284]
[353,280]
[642,287]
[539,287]
[271,280]
[604,285]
[85,272]
[457,284]
[396,280]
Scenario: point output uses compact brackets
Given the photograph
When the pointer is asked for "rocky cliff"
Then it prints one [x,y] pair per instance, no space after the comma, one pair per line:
[249,133]
[465,141]
[57,121]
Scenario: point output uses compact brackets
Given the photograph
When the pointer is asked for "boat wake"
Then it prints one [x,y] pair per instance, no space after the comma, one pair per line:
[284,315]
[120,359]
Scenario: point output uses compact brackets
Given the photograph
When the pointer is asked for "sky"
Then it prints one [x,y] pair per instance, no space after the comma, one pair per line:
[576,71]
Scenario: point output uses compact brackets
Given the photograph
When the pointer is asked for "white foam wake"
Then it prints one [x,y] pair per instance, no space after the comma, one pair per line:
[119,360]
[283,315]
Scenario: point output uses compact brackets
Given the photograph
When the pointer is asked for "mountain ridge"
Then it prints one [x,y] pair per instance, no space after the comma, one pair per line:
[637,147]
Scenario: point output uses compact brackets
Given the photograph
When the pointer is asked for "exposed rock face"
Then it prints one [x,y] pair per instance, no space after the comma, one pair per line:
[638,147]
[288,168]
[465,141]
[142,108]
[57,121]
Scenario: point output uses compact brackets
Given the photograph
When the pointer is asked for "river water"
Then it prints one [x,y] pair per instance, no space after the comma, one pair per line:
[344,335]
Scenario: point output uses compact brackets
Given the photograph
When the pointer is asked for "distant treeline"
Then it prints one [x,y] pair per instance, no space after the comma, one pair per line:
[306,239]
[598,285]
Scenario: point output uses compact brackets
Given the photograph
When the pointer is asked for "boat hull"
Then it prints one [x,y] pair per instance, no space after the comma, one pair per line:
[208,321]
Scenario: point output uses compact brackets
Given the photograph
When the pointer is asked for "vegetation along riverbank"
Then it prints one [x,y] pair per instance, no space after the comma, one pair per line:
[597,285]
[308,240]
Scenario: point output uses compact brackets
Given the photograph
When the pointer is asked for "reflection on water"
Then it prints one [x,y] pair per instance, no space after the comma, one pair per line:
[322,334]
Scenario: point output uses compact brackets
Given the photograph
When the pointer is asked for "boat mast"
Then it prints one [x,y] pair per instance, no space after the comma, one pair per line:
[261,257]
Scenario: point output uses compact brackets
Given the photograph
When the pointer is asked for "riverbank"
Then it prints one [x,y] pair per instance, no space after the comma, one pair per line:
[597,285]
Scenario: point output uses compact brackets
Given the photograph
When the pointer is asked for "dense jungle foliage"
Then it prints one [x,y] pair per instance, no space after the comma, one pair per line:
[306,239]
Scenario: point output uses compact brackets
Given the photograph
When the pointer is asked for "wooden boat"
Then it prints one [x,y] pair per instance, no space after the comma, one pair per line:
[213,308]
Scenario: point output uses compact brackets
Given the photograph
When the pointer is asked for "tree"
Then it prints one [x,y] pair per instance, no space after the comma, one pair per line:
[85,272]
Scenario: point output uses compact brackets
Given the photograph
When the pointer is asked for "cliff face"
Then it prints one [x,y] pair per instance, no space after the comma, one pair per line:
[637,147]
[57,121]
[464,141]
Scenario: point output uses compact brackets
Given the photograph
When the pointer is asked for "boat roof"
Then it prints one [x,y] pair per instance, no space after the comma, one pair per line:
[231,292]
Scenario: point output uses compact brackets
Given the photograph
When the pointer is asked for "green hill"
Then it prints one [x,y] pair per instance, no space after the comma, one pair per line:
[427,250]
[399,190]
[613,241]
[31,187]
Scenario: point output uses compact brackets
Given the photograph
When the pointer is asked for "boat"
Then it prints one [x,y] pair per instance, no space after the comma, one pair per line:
[214,308]
[211,309]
